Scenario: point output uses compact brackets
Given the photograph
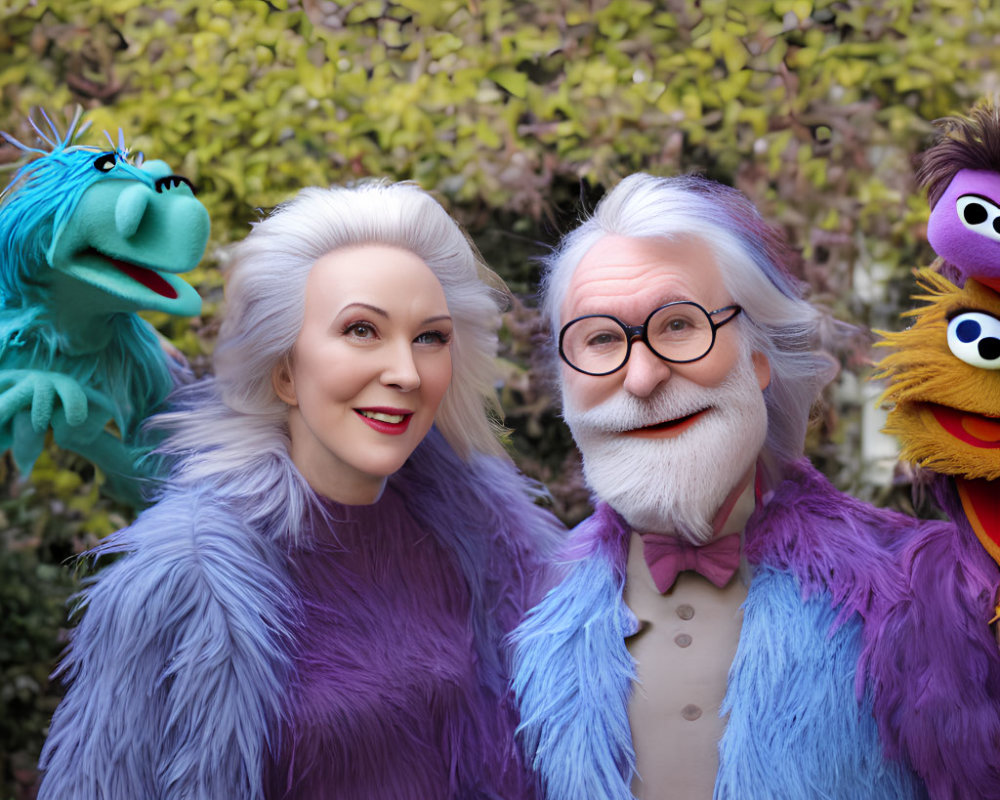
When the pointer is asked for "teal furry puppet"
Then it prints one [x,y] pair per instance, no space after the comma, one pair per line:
[88,238]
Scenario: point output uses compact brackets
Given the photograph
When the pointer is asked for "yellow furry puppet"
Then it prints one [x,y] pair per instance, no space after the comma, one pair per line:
[944,392]
[944,373]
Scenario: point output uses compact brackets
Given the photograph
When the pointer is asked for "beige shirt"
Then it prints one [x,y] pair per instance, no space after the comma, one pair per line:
[684,647]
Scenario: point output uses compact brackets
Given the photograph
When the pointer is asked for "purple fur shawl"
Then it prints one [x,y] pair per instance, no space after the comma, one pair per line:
[935,663]
[924,591]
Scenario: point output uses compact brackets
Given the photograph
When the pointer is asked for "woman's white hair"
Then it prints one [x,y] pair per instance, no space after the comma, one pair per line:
[776,320]
[236,416]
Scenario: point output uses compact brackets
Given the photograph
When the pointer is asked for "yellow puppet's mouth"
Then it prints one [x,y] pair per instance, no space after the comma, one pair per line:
[977,430]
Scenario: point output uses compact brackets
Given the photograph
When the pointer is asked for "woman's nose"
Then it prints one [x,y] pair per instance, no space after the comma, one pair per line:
[400,369]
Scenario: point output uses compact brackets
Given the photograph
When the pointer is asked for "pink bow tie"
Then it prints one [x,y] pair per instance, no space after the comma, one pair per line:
[668,555]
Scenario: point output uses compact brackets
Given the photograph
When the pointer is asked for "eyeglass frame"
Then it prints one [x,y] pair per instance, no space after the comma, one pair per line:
[633,332]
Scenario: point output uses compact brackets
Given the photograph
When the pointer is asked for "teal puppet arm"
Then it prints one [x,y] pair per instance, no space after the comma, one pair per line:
[130,470]
[27,400]
[32,401]
[88,238]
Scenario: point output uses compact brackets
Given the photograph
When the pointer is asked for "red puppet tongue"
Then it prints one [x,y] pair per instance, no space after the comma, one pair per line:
[146,277]
[981,503]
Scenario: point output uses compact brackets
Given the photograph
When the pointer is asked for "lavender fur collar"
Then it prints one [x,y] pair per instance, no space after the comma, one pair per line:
[606,534]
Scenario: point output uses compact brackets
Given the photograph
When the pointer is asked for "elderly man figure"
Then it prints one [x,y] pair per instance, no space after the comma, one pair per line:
[708,632]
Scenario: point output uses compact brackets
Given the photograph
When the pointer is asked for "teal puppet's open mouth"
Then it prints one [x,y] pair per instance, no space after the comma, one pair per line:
[147,277]
[128,286]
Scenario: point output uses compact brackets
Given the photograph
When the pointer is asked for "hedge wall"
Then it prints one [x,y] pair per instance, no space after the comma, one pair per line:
[517,114]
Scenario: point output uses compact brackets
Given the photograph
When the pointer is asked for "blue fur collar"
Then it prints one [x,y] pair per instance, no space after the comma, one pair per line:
[796,727]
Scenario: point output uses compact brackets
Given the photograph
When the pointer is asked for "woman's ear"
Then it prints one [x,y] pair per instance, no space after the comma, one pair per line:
[762,368]
[283,381]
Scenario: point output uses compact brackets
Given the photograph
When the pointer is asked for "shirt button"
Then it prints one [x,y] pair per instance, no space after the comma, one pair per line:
[684,611]
[682,640]
[690,712]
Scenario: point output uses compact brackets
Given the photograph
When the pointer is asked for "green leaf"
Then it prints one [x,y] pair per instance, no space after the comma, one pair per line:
[510,80]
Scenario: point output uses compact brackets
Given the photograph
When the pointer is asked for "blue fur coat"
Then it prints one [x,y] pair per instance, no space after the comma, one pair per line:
[800,721]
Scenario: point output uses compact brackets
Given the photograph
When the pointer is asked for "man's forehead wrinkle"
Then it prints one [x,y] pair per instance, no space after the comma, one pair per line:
[637,289]
[625,297]
[623,271]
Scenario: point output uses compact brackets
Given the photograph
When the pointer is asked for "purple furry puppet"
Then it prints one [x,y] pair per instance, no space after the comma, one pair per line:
[316,605]
[939,704]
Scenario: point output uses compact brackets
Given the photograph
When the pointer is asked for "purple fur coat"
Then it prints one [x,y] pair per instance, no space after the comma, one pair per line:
[854,612]
[928,654]
[359,659]
[935,663]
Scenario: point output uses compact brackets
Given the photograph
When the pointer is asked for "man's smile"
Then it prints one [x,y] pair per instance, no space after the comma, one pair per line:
[668,428]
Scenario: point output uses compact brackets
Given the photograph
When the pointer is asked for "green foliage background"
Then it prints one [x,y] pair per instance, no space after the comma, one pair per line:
[517,114]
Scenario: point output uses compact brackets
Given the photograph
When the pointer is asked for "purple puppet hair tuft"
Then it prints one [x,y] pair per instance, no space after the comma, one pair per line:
[964,142]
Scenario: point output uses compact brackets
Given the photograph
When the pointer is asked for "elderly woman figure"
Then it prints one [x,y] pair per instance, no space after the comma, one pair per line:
[315,606]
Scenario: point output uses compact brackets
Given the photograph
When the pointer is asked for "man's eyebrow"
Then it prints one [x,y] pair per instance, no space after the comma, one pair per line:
[673,297]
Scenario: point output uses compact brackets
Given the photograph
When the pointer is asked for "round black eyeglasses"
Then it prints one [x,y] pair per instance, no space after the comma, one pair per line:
[679,332]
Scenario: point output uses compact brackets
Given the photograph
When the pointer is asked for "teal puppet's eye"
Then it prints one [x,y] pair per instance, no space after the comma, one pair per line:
[105,162]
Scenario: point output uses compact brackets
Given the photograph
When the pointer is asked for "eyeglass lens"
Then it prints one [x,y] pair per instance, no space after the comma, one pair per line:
[677,332]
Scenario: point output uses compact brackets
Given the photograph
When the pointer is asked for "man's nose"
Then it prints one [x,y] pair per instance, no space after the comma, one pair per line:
[645,372]
[400,369]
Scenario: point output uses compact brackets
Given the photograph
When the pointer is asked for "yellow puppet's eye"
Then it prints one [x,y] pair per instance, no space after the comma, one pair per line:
[974,337]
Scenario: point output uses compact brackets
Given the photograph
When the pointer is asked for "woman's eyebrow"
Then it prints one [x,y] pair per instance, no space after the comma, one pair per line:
[383,313]
[374,309]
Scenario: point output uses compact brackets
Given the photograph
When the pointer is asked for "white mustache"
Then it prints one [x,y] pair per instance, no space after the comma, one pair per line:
[675,485]
[624,412]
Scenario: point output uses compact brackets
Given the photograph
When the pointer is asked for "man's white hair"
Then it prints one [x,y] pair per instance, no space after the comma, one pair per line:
[776,320]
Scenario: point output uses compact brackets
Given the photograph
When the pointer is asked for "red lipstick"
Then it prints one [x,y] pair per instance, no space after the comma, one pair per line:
[392,427]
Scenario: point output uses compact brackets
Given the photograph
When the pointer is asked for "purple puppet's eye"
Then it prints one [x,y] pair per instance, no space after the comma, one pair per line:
[979,215]
[975,214]
[974,337]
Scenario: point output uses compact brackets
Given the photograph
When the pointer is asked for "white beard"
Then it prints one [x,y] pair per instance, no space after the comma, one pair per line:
[674,485]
